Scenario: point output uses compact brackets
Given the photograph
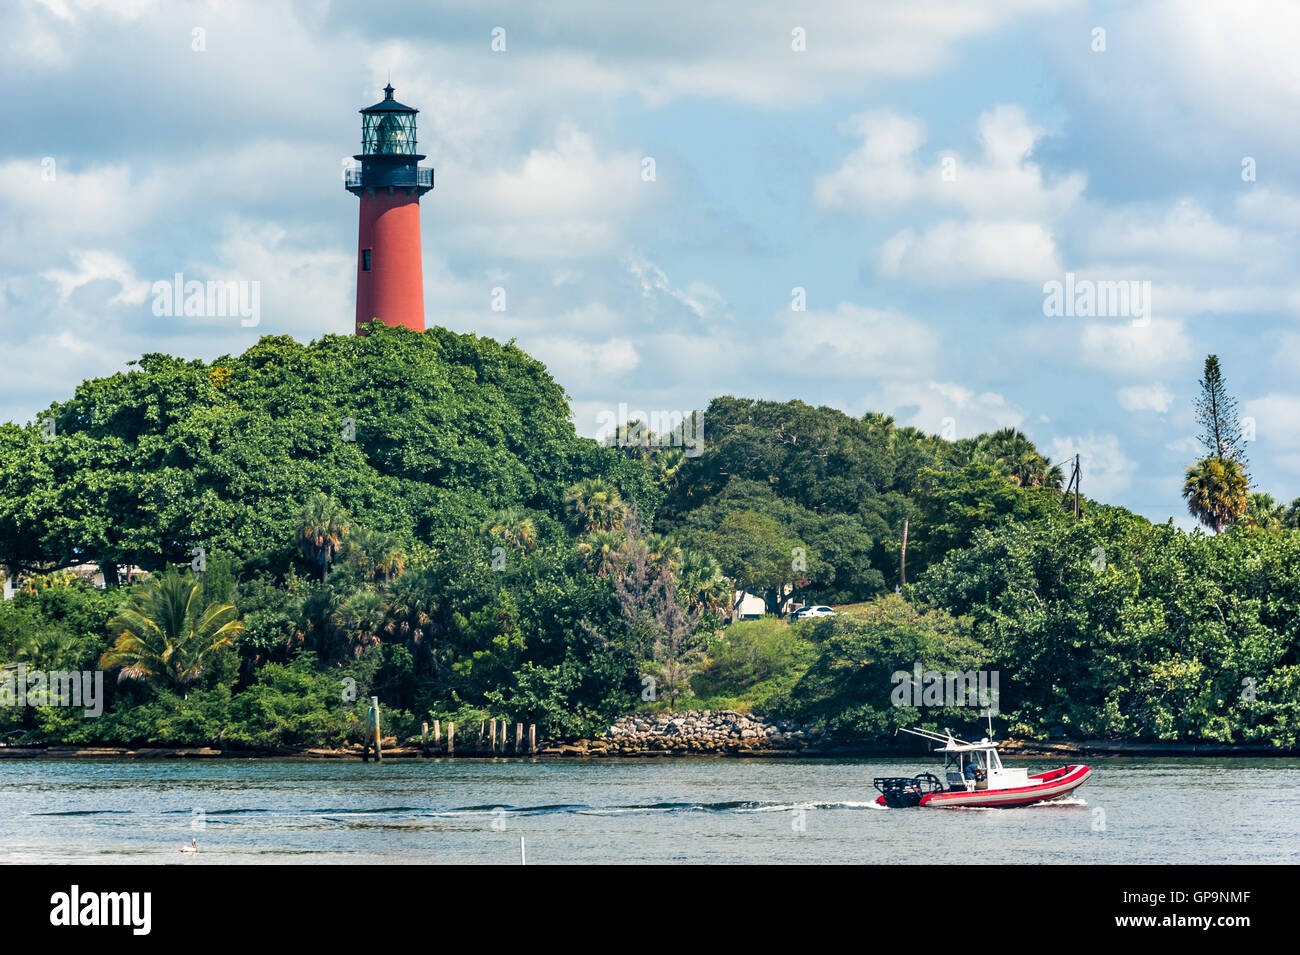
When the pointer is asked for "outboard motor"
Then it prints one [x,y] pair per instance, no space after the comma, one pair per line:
[905,792]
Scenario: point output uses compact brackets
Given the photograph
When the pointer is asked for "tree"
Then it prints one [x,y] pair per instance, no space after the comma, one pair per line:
[599,551]
[952,506]
[1263,511]
[594,505]
[165,633]
[377,555]
[514,527]
[322,526]
[1216,491]
[660,630]
[701,582]
[1016,456]
[1216,411]
[849,686]
[665,466]
[410,615]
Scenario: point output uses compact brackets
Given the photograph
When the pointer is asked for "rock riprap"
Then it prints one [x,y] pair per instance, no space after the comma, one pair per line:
[704,731]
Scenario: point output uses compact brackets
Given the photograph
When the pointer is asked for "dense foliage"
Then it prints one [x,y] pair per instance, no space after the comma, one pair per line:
[412,516]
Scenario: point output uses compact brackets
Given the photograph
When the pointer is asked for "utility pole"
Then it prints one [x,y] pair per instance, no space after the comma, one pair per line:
[902,558]
[1076,476]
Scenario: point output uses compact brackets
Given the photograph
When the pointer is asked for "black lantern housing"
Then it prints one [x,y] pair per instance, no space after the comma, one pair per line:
[388,157]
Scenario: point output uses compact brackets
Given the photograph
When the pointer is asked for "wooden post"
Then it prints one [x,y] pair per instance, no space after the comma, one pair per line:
[532,737]
[494,737]
[503,737]
[374,708]
[437,732]
[519,736]
[451,739]
[424,738]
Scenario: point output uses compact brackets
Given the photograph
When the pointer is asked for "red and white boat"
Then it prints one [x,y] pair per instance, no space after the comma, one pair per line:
[974,776]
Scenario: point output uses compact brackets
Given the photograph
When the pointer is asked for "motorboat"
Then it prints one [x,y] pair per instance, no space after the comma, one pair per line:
[973,775]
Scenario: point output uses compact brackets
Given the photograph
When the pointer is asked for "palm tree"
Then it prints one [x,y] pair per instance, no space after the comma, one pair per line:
[1263,510]
[165,633]
[410,617]
[600,551]
[663,552]
[1216,491]
[514,526]
[701,581]
[51,648]
[321,527]
[1017,457]
[593,505]
[360,618]
[666,466]
[378,555]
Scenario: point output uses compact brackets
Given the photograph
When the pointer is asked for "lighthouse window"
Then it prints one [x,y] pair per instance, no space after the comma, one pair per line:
[365,260]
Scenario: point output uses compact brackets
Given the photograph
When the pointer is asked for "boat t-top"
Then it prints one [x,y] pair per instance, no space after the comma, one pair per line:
[974,776]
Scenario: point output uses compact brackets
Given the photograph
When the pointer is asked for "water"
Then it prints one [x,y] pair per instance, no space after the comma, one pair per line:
[628,811]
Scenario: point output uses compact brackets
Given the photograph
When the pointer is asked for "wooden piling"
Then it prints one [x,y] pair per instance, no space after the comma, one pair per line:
[494,737]
[437,732]
[451,739]
[532,737]
[519,736]
[424,739]
[374,709]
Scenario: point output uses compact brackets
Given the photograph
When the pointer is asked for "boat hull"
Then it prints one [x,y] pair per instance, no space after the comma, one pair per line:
[1049,785]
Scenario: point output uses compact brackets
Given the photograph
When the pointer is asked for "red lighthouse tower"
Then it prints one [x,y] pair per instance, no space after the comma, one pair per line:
[390,281]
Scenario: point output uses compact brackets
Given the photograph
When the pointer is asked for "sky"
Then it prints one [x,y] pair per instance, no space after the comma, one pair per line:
[861,204]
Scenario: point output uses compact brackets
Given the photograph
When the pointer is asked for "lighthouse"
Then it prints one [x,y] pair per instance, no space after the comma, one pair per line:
[390,182]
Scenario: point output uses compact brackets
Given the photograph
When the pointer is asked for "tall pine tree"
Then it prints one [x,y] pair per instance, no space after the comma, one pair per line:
[1216,410]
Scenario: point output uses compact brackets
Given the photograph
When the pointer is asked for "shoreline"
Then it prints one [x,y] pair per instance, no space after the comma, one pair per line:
[599,749]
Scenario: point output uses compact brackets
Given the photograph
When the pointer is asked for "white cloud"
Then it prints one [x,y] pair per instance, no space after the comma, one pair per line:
[928,405]
[1219,75]
[1181,231]
[1122,348]
[1270,207]
[95,265]
[885,171]
[1277,419]
[699,298]
[852,341]
[957,253]
[1146,398]
[577,360]
[565,201]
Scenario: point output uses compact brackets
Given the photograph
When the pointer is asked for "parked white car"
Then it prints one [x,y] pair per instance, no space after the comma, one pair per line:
[806,613]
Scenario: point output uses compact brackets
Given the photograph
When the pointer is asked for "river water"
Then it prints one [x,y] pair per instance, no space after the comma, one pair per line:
[628,811]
